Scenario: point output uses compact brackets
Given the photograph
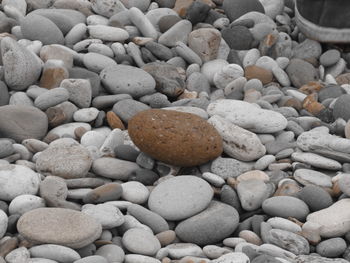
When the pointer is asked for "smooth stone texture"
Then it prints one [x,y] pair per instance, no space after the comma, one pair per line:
[108,33]
[212,225]
[24,203]
[107,215]
[315,197]
[307,177]
[248,116]
[285,206]
[6,148]
[236,257]
[114,168]
[110,253]
[67,129]
[284,224]
[334,220]
[330,57]
[235,9]
[178,32]
[51,98]
[149,218]
[91,259]
[188,141]
[301,72]
[17,180]
[318,259]
[22,68]
[54,252]
[339,110]
[103,193]
[33,122]
[140,241]
[180,197]
[205,42]
[128,108]
[36,27]
[252,193]
[60,226]
[97,62]
[67,161]
[316,160]
[135,192]
[122,79]
[229,167]
[3,223]
[134,258]
[331,248]
[238,143]
[289,241]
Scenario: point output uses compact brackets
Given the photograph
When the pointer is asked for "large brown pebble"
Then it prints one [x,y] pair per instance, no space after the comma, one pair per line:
[255,72]
[176,138]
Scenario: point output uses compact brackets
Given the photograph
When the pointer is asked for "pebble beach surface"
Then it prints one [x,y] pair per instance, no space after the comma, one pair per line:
[185,131]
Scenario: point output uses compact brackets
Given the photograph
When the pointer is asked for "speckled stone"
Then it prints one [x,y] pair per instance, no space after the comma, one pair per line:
[177,138]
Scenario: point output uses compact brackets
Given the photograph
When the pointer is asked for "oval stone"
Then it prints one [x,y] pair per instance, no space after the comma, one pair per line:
[210,226]
[176,138]
[123,79]
[59,226]
[180,197]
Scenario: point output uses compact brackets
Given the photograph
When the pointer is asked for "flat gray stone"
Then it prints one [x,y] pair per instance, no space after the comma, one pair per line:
[111,253]
[126,109]
[122,79]
[54,252]
[51,98]
[289,241]
[252,193]
[36,27]
[114,168]
[229,167]
[210,226]
[180,197]
[178,32]
[140,241]
[285,206]
[107,215]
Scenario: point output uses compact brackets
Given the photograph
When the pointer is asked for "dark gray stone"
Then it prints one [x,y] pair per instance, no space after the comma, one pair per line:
[341,107]
[126,152]
[212,225]
[167,22]
[330,91]
[160,51]
[235,9]
[301,72]
[315,197]
[229,196]
[331,248]
[238,37]
[197,12]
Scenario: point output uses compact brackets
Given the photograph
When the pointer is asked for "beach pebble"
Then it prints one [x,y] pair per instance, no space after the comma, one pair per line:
[331,248]
[252,193]
[140,241]
[3,223]
[17,180]
[178,32]
[180,197]
[111,252]
[289,241]
[107,215]
[245,115]
[60,226]
[235,9]
[54,252]
[135,192]
[24,203]
[114,168]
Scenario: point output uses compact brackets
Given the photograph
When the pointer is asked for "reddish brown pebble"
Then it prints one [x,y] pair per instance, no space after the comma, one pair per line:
[181,6]
[176,138]
[311,105]
[114,121]
[255,72]
[311,87]
[52,77]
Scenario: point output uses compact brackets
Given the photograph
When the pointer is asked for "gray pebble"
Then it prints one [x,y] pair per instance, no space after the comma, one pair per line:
[51,98]
[331,248]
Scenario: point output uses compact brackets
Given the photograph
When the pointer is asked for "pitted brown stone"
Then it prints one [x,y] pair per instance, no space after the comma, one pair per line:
[176,138]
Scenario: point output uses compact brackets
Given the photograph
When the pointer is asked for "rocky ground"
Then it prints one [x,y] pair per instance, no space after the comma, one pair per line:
[171,131]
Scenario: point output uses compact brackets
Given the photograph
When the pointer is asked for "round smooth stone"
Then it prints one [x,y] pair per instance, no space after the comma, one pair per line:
[301,72]
[59,226]
[111,253]
[17,180]
[108,33]
[285,206]
[103,193]
[140,241]
[36,27]
[252,193]
[340,110]
[180,197]
[6,148]
[132,258]
[330,57]
[91,259]
[24,203]
[315,197]
[107,215]
[235,9]
[290,241]
[54,252]
[212,225]
[188,141]
[67,161]
[135,192]
[33,122]
[122,79]
[331,248]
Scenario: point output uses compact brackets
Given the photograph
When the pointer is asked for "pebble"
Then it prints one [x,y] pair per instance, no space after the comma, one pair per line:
[215,223]
[92,259]
[316,160]
[284,224]
[114,168]
[135,192]
[232,257]
[184,124]
[252,193]
[58,160]
[133,258]
[54,252]
[289,241]
[300,72]
[140,241]
[107,215]
[3,223]
[179,250]
[17,180]
[111,252]
[205,42]
[307,177]
[60,226]
[194,196]
[178,32]
[97,62]
[24,203]
[330,57]
[235,9]
[245,115]
[331,248]
[315,197]
[285,206]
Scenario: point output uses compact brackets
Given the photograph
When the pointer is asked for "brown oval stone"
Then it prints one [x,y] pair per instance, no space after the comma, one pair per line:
[255,72]
[311,87]
[176,138]
[311,105]
[114,121]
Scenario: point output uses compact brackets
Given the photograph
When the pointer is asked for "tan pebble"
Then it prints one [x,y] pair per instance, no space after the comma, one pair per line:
[8,245]
[79,132]
[181,6]
[294,103]
[50,138]
[55,116]
[311,104]
[311,87]
[255,72]
[188,95]
[166,260]
[343,79]
[287,189]
[250,237]
[232,182]
[166,237]
[255,174]
[141,41]
[114,121]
